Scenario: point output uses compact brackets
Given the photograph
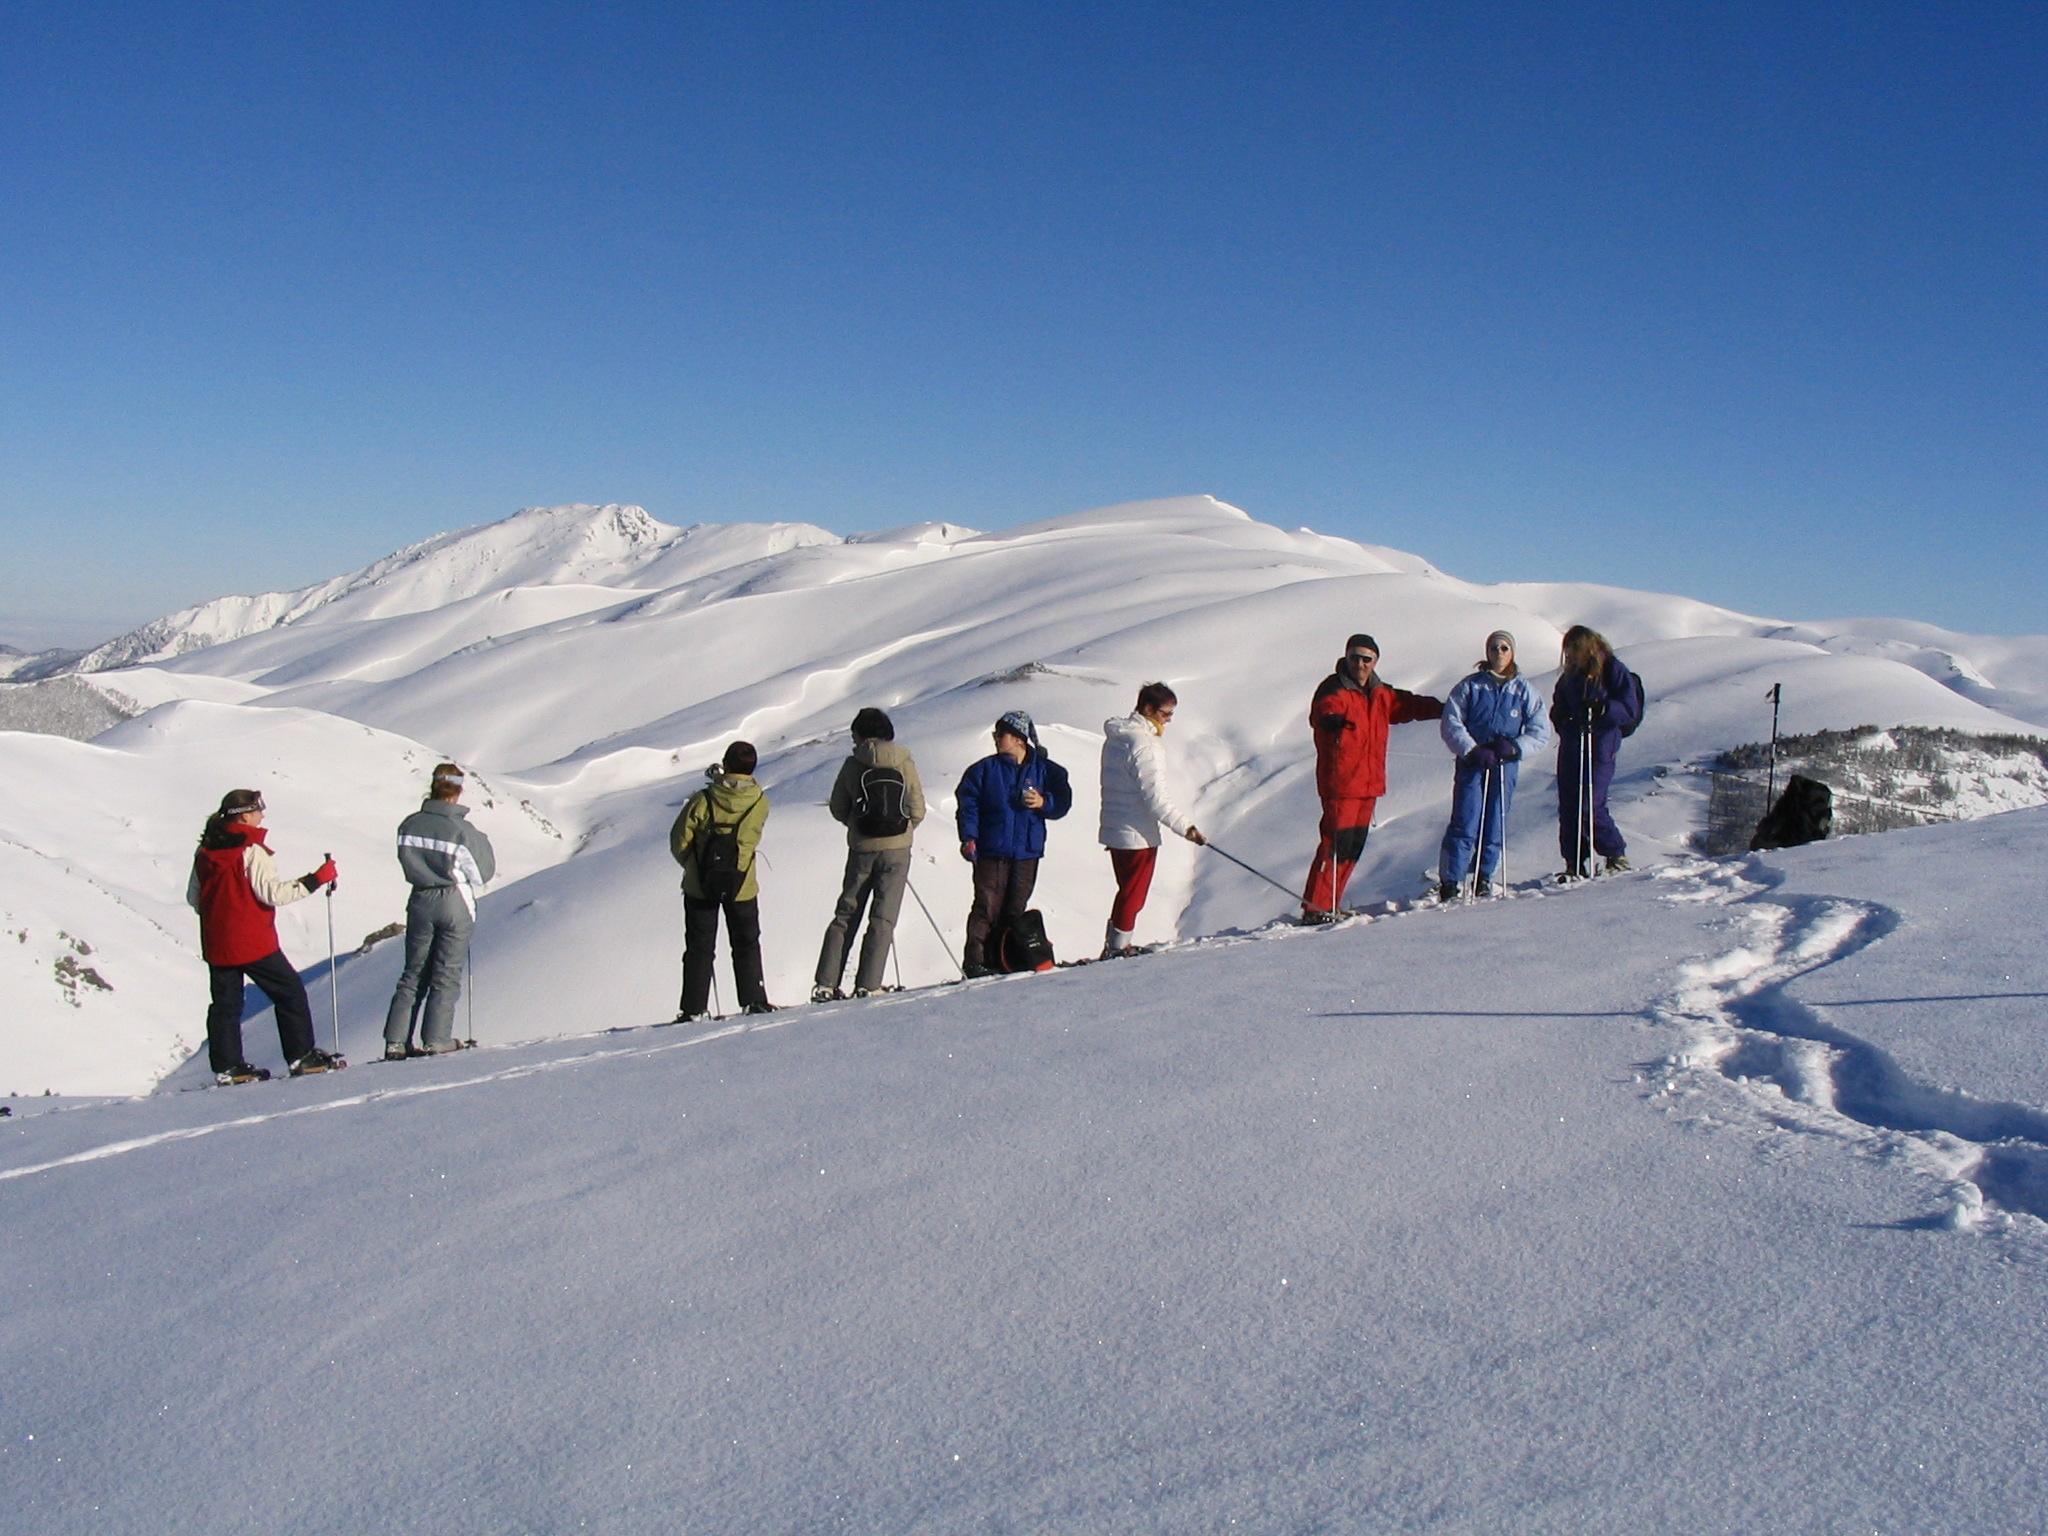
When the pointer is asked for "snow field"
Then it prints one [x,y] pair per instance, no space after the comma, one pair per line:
[1427,1221]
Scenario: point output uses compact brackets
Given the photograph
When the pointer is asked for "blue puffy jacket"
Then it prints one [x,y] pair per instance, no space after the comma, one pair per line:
[992,814]
[1484,707]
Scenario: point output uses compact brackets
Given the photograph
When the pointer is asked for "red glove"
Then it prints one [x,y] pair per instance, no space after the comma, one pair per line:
[326,874]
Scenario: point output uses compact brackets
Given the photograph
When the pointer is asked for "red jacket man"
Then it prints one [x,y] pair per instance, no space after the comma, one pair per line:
[1350,715]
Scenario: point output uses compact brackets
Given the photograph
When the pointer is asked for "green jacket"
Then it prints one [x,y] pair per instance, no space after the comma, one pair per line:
[733,798]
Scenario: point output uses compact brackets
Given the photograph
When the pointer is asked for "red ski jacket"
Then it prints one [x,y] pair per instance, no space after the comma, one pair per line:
[235,890]
[1350,725]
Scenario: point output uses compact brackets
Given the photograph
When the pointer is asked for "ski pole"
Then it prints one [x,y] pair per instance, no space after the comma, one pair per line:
[333,986]
[937,933]
[1582,829]
[1500,875]
[1283,890]
[1479,846]
[469,990]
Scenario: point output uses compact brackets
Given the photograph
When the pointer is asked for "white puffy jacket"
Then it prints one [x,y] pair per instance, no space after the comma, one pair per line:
[1134,801]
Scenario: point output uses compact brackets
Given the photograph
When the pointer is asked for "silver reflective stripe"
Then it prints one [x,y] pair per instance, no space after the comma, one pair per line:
[463,872]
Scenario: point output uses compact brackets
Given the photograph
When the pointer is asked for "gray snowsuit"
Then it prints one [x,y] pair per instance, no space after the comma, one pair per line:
[448,862]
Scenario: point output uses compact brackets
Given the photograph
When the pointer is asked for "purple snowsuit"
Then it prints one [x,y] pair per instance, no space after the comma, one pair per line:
[1609,702]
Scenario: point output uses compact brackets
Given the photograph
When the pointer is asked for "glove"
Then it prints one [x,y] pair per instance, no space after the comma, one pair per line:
[1483,758]
[967,850]
[1506,750]
[1194,835]
[326,874]
[1332,723]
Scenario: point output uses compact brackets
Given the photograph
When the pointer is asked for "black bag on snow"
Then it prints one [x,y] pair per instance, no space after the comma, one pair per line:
[878,804]
[1805,813]
[1021,944]
[718,859]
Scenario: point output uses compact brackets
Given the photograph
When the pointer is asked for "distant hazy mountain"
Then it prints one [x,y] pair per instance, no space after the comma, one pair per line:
[540,546]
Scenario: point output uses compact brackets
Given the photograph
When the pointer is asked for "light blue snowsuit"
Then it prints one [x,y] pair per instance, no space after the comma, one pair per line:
[1485,708]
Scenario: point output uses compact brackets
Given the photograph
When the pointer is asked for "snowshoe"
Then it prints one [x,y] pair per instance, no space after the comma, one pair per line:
[1618,865]
[829,995]
[242,1074]
[316,1061]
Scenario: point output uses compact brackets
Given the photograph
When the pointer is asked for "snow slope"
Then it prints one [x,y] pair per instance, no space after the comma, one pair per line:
[589,661]
[1704,1199]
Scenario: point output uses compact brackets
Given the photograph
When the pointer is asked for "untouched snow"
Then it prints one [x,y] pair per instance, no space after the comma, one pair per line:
[1702,1199]
[587,662]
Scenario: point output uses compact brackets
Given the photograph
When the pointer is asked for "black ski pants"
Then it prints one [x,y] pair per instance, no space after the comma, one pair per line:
[1002,889]
[700,944]
[281,984]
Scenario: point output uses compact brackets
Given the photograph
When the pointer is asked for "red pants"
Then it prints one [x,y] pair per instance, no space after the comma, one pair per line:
[1133,868]
[1344,828]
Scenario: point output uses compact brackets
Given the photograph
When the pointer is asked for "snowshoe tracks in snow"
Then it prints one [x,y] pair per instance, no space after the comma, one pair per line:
[1792,1069]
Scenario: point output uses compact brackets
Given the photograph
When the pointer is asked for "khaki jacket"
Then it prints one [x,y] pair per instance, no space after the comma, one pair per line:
[876,754]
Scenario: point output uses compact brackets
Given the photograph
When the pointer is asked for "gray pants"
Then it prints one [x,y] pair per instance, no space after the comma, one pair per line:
[437,930]
[875,879]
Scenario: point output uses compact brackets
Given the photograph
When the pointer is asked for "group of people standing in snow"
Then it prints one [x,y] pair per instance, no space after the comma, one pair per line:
[1491,720]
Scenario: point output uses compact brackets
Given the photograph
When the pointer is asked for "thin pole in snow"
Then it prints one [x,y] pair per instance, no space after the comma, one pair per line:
[1771,793]
[936,931]
[1240,863]
[333,985]
[1479,846]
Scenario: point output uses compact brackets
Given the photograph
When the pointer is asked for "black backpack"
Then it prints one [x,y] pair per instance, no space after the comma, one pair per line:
[1805,813]
[1635,688]
[1021,944]
[878,804]
[717,854]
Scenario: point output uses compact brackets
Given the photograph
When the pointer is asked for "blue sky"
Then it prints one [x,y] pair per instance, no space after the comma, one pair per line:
[1744,302]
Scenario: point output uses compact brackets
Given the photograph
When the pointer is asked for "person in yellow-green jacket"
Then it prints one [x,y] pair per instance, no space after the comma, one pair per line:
[715,839]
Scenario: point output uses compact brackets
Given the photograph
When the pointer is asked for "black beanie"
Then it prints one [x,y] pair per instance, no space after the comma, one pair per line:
[1365,640]
[740,757]
[873,725]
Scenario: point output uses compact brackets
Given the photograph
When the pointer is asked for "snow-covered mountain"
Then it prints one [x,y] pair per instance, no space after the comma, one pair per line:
[21,666]
[539,547]
[587,662]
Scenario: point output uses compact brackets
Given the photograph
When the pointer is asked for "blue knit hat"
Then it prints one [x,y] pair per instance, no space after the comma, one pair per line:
[1018,724]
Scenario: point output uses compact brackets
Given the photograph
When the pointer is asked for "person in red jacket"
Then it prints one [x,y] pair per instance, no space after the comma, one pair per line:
[236,891]
[1350,715]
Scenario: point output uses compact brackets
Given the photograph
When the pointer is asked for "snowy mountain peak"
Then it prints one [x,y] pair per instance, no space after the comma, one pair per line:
[569,545]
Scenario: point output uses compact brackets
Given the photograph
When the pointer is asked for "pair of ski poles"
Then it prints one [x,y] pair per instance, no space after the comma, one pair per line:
[1471,881]
[334,982]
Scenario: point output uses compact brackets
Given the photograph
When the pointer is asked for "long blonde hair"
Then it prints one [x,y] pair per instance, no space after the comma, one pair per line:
[1586,651]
